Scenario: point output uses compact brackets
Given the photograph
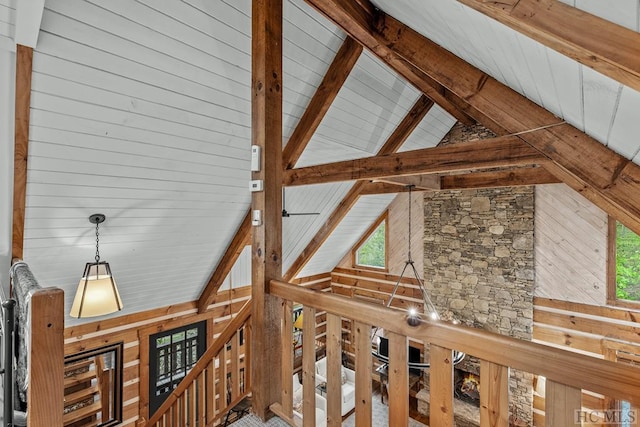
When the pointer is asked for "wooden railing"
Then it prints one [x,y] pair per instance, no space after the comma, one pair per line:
[566,373]
[217,382]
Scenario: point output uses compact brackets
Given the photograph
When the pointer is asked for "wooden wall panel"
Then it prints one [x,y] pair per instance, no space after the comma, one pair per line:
[582,328]
[570,246]
[128,329]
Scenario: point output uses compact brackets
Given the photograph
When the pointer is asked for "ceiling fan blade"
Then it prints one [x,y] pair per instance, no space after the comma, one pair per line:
[302,213]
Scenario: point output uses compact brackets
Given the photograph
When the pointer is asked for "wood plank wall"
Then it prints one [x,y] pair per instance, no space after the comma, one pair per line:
[583,328]
[570,246]
[128,329]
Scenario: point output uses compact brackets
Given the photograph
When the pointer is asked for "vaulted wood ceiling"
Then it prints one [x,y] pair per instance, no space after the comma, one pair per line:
[140,110]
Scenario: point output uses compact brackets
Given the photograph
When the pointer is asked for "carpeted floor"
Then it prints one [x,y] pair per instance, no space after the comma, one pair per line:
[379,415]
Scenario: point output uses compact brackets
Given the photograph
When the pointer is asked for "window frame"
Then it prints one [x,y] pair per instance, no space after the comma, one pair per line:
[612,285]
[354,250]
[151,353]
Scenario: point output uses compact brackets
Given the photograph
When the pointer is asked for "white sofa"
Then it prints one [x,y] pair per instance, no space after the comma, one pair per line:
[348,385]
[321,404]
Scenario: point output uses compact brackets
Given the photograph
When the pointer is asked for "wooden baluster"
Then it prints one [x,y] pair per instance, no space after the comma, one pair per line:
[210,394]
[247,356]
[201,399]
[175,413]
[334,383]
[364,368]
[309,365]
[286,369]
[193,403]
[561,404]
[440,386]
[224,370]
[235,371]
[494,395]
[398,379]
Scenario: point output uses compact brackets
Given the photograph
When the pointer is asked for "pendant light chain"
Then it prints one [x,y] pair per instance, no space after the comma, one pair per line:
[409,254]
[97,258]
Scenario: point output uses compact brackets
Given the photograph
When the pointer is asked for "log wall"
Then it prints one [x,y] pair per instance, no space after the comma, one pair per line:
[130,328]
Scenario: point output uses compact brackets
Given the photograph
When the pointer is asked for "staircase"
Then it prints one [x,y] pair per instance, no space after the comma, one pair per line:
[216,383]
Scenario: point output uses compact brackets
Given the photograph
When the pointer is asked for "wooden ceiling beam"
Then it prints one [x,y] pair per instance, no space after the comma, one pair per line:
[325,230]
[496,179]
[325,94]
[393,143]
[407,125]
[24,65]
[322,99]
[240,240]
[359,17]
[608,48]
[609,180]
[503,151]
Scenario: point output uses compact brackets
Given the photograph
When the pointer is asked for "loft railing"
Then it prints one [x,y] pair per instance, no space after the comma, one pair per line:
[217,382]
[567,373]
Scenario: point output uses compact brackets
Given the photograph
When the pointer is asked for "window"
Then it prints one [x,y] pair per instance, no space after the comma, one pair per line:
[171,355]
[624,264]
[371,250]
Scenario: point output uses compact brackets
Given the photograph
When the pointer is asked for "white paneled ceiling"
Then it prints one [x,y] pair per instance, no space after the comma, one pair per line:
[140,110]
[366,210]
[602,107]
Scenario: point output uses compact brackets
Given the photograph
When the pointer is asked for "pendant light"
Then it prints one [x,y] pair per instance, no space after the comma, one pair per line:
[413,314]
[97,292]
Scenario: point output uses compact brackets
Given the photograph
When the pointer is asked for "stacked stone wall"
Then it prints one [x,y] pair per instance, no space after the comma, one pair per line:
[478,261]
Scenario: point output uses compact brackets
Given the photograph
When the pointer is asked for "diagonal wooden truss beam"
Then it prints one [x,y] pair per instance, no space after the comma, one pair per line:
[322,99]
[606,47]
[241,239]
[24,62]
[326,93]
[607,179]
[503,151]
[393,143]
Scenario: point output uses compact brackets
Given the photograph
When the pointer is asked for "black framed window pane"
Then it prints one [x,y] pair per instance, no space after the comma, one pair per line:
[171,354]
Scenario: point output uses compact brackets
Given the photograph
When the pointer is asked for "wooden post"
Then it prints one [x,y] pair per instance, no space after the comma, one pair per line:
[494,395]
[24,64]
[287,358]
[441,386]
[334,383]
[364,367]
[398,379]
[560,404]
[266,132]
[309,364]
[46,359]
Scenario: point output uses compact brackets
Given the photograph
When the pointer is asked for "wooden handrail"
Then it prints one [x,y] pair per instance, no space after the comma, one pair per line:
[211,352]
[576,370]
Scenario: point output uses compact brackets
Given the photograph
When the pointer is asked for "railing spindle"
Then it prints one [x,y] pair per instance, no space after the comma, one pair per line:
[494,395]
[398,377]
[308,365]
[287,359]
[334,381]
[440,387]
[364,368]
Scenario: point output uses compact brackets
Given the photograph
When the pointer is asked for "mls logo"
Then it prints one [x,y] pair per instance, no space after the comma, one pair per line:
[625,417]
